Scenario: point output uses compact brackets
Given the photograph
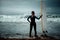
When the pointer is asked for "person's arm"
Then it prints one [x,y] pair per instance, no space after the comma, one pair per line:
[28,19]
[39,17]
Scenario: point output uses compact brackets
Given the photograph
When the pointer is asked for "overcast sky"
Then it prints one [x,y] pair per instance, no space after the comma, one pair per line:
[26,6]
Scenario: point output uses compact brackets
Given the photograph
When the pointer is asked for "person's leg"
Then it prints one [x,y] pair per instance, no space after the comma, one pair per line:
[35,29]
[30,30]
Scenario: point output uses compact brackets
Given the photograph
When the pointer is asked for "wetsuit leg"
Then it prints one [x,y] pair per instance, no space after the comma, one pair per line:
[35,29]
[30,29]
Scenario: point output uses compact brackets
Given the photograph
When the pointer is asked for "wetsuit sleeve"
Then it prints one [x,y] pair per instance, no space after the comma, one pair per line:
[28,19]
[37,17]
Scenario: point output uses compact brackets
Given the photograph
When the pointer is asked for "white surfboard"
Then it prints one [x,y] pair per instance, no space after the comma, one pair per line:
[43,12]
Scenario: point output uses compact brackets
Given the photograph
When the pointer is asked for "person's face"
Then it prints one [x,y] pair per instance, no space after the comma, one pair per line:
[33,14]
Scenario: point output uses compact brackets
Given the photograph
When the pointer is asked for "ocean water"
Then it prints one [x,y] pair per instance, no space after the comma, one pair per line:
[16,26]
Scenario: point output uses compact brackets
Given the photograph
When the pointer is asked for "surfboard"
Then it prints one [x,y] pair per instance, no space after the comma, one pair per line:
[44,18]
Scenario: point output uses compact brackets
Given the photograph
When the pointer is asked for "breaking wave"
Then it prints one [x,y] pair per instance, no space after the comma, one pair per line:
[21,18]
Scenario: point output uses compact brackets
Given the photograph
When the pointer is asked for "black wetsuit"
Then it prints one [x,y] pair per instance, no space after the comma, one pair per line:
[32,24]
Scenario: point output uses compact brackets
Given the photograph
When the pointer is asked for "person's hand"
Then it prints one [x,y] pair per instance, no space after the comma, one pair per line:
[41,16]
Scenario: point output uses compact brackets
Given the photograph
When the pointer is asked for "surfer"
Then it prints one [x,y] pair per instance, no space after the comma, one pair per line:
[33,23]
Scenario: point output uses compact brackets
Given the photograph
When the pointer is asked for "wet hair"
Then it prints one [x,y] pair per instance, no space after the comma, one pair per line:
[33,12]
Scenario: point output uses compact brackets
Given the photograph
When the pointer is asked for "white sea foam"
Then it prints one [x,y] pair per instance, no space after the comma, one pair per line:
[20,18]
[14,18]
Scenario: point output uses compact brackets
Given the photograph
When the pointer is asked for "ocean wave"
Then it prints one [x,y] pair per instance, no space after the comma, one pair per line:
[21,18]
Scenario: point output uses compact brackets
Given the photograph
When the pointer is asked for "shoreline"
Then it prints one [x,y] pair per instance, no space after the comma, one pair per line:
[32,38]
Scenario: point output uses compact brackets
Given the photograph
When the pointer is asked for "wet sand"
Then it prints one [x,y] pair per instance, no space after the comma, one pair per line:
[32,38]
